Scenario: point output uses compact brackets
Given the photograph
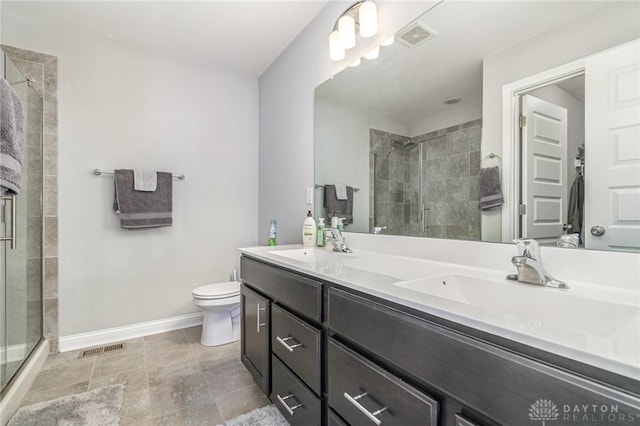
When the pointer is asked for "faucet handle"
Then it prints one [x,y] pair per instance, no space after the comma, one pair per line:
[528,247]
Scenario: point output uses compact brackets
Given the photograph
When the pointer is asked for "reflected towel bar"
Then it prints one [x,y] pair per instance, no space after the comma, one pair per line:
[99,172]
[491,156]
[322,186]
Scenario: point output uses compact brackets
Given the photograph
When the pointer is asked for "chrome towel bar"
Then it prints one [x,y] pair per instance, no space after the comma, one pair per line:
[99,172]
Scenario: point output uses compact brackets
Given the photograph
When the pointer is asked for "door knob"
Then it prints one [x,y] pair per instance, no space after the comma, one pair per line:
[597,231]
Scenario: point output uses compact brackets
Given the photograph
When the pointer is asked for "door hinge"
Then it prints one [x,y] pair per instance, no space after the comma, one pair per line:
[522,209]
[523,120]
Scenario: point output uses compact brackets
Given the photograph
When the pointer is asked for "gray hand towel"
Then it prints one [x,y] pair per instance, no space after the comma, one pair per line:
[142,209]
[490,188]
[342,208]
[11,139]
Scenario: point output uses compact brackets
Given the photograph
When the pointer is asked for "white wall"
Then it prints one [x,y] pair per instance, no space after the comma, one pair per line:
[344,144]
[286,112]
[456,114]
[124,107]
[605,28]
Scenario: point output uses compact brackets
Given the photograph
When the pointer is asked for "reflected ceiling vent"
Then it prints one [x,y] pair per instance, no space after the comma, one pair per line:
[415,35]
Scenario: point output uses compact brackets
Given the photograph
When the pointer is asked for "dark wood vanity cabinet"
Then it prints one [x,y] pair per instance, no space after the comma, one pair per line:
[291,341]
[254,341]
[327,355]
[479,382]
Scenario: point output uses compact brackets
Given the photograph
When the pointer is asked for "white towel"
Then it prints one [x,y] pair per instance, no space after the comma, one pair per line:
[144,180]
[341,192]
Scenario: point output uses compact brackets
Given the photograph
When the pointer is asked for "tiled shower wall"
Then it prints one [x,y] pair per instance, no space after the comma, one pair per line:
[446,162]
[450,181]
[388,175]
[43,69]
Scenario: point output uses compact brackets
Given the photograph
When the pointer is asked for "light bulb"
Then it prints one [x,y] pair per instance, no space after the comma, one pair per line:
[347,31]
[368,18]
[373,53]
[389,41]
[355,63]
[336,51]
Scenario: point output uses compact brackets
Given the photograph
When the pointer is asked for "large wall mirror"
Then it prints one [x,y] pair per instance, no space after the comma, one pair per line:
[431,132]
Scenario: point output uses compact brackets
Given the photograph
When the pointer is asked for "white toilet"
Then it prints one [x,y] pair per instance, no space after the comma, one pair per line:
[221,305]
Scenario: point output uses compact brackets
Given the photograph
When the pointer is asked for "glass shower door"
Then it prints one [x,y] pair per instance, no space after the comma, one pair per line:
[21,217]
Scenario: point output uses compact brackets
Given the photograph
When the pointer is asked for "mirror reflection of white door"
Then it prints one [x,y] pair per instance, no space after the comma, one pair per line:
[544,157]
[612,148]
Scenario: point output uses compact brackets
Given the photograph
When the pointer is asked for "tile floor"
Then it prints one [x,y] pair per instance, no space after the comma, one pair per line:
[169,378]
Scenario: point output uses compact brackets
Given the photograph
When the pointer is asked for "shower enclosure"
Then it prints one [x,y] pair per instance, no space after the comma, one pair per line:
[426,185]
[21,224]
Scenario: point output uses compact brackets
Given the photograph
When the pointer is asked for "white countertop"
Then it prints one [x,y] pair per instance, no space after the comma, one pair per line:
[594,324]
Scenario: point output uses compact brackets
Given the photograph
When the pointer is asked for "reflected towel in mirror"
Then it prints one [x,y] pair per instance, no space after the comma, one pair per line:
[342,208]
[490,188]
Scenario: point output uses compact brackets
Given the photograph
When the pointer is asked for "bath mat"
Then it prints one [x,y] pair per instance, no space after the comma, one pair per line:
[265,416]
[99,407]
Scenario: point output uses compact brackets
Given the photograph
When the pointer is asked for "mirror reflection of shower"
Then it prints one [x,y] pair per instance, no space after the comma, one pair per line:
[426,185]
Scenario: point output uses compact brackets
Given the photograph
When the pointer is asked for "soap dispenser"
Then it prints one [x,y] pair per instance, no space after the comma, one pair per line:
[309,231]
[320,232]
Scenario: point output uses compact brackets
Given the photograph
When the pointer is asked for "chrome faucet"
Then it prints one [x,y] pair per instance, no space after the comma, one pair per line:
[335,237]
[378,229]
[530,269]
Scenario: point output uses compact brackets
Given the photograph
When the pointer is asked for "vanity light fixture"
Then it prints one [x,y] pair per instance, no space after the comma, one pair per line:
[355,63]
[361,16]
[389,41]
[373,53]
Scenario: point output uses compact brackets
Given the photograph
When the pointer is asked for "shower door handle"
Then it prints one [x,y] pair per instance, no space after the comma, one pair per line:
[14,216]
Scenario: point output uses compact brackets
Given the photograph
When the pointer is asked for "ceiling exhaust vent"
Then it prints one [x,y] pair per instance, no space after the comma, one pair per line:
[415,35]
[95,351]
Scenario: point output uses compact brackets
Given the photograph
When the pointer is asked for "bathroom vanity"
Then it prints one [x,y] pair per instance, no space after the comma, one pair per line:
[338,339]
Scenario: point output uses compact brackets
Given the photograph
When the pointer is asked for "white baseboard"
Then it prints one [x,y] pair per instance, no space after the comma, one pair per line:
[118,334]
[16,392]
[13,353]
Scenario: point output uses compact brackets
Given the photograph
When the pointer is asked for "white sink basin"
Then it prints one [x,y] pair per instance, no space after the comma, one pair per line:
[459,288]
[311,255]
[536,305]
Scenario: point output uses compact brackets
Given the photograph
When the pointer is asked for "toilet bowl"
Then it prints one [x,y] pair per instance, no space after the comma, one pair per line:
[221,305]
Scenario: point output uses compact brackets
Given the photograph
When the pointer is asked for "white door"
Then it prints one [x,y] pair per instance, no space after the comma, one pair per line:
[544,159]
[612,148]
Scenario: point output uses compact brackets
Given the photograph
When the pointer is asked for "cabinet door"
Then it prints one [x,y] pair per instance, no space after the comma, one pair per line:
[255,336]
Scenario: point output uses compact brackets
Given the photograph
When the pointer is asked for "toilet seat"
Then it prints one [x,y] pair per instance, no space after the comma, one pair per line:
[217,291]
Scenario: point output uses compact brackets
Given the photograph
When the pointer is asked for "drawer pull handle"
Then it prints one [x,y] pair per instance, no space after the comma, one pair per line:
[282,400]
[284,343]
[258,323]
[372,416]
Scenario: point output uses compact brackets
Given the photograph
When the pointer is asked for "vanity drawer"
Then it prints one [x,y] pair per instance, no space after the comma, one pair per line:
[334,419]
[461,421]
[299,293]
[469,369]
[297,345]
[293,398]
[363,393]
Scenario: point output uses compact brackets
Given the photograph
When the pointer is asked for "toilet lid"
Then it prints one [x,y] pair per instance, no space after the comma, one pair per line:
[217,290]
